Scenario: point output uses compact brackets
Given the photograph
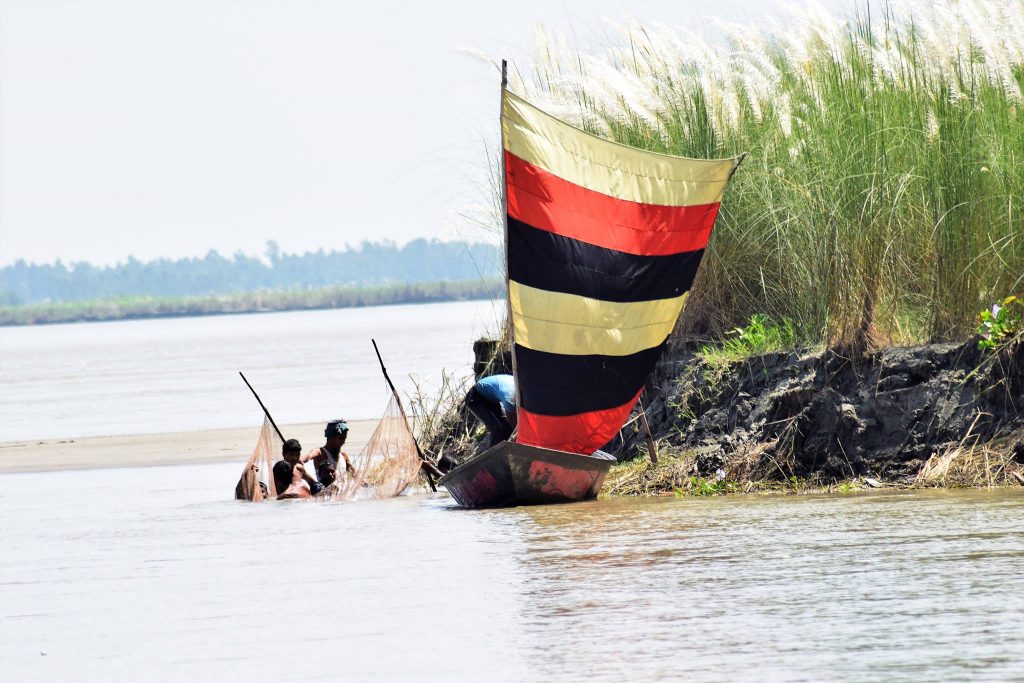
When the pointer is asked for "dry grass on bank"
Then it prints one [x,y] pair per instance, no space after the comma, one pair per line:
[989,465]
[985,465]
[443,426]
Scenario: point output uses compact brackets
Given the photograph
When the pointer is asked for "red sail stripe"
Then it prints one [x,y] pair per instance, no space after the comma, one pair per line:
[547,202]
[583,433]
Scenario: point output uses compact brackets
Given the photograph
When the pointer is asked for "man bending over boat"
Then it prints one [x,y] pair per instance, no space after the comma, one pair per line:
[326,458]
[492,400]
[290,477]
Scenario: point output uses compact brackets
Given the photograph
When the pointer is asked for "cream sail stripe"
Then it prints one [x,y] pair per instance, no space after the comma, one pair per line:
[576,340]
[607,167]
[620,184]
[575,325]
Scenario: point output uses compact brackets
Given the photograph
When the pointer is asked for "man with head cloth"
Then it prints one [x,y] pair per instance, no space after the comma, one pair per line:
[326,458]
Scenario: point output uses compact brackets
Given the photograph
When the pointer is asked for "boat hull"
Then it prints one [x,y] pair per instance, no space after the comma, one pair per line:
[510,474]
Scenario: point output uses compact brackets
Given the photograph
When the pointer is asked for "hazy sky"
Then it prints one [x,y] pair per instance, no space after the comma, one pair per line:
[168,128]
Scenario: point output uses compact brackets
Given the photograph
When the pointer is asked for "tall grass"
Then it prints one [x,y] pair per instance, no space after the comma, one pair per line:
[880,198]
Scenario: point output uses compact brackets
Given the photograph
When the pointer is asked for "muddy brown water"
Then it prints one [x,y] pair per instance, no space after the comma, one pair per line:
[181,374]
[152,573]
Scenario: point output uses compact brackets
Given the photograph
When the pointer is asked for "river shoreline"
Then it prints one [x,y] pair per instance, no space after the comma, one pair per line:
[931,416]
[241,303]
[149,450]
[939,415]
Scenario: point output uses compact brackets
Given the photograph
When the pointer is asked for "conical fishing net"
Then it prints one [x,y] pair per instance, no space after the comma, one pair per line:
[388,463]
[257,481]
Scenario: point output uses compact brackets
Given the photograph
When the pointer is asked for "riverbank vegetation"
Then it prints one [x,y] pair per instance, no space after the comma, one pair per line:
[872,230]
[878,202]
[945,415]
[127,308]
[791,422]
[962,465]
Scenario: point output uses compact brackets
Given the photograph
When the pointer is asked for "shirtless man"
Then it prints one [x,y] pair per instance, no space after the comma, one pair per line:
[327,457]
[290,477]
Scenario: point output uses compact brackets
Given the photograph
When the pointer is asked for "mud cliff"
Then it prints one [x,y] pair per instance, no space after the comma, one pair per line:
[890,415]
[943,414]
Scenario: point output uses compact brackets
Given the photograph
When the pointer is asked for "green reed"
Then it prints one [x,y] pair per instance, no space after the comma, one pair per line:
[879,201]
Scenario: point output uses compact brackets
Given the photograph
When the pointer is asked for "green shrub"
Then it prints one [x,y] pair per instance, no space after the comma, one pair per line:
[761,335]
[1001,322]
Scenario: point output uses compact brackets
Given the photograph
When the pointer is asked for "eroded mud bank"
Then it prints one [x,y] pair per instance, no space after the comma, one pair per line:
[928,414]
[942,414]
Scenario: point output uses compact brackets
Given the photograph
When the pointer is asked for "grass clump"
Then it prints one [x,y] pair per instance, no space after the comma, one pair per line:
[714,486]
[876,204]
[760,336]
[640,477]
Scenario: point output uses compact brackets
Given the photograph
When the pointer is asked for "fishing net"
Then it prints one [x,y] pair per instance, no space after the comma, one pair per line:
[257,481]
[387,464]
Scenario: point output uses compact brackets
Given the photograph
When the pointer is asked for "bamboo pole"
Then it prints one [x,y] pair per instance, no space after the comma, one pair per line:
[652,451]
[428,467]
[504,220]
[265,411]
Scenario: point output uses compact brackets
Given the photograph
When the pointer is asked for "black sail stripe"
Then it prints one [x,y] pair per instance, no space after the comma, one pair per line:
[555,263]
[557,384]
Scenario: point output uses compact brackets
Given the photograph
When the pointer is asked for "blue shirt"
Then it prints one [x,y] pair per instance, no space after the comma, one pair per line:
[499,389]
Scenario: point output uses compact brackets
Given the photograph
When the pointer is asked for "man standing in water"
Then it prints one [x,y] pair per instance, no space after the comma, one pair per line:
[290,477]
[326,458]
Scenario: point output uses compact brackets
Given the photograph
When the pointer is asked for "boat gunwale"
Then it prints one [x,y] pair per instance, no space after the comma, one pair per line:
[511,449]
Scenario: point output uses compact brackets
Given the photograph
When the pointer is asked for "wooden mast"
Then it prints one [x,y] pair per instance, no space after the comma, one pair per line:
[504,221]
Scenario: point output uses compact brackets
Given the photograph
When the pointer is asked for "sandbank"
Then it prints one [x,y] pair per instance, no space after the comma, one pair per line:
[177,448]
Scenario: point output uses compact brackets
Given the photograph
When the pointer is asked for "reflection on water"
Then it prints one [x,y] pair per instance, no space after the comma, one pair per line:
[118,572]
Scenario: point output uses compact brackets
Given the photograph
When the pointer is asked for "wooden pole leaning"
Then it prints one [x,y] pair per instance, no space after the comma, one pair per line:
[428,467]
[652,450]
[265,411]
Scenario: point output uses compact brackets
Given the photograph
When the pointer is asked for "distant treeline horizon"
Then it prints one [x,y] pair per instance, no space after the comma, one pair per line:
[371,264]
[264,301]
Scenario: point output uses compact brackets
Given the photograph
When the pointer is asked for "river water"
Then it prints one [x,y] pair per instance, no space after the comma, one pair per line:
[153,574]
[181,374]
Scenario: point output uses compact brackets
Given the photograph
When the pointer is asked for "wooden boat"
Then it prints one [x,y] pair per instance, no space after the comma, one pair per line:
[516,474]
[602,243]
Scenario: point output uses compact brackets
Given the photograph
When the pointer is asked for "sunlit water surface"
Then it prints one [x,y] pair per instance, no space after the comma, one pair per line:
[153,574]
[178,374]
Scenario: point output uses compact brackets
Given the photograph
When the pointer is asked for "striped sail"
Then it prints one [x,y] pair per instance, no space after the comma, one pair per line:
[603,243]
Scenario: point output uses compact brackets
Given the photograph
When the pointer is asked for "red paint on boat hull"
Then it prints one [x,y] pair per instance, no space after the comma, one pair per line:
[516,474]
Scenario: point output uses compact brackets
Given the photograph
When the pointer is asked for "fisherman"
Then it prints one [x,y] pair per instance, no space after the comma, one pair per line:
[326,458]
[290,477]
[249,483]
[492,400]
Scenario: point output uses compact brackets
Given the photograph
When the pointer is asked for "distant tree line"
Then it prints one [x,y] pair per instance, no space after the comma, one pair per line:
[131,308]
[371,264]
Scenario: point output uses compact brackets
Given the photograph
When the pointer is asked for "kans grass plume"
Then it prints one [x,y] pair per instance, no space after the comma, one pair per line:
[880,200]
